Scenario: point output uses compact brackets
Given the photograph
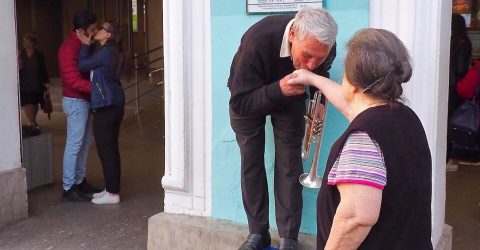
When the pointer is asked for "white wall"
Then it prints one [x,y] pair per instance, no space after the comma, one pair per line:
[187,107]
[426,35]
[9,108]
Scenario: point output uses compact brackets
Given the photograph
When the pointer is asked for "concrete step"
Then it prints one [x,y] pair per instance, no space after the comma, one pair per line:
[38,160]
[180,232]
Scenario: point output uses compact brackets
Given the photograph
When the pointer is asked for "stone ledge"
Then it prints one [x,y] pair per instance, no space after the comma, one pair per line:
[180,232]
[13,196]
[445,242]
[38,160]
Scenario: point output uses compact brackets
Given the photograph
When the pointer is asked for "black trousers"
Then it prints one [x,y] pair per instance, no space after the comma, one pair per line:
[288,128]
[106,129]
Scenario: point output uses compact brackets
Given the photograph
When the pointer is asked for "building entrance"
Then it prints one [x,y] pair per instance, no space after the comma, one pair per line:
[62,225]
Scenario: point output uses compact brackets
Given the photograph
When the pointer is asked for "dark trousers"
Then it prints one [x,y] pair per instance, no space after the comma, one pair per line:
[106,129]
[288,127]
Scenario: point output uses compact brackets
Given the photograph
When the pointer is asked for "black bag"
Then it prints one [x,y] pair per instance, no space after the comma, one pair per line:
[464,124]
[46,105]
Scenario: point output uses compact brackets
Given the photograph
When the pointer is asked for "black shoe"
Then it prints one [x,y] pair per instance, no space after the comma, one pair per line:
[73,194]
[257,242]
[29,130]
[36,126]
[288,244]
[88,189]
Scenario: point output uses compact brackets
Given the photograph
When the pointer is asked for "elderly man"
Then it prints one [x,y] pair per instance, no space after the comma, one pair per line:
[269,51]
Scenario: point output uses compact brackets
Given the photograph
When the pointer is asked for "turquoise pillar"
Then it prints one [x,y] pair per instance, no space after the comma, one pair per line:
[229,22]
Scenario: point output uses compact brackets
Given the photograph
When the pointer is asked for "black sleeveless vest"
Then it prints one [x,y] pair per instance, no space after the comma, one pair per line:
[405,214]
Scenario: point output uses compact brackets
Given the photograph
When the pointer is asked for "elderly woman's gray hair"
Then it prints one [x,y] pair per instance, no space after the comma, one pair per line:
[378,62]
[316,22]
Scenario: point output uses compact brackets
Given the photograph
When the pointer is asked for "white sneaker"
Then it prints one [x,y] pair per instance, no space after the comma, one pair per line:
[107,198]
[98,195]
[451,167]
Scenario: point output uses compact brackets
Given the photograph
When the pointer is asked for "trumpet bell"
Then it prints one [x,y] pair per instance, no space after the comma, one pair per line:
[310,181]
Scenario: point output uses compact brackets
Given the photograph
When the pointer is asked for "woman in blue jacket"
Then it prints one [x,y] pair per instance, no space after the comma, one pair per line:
[107,103]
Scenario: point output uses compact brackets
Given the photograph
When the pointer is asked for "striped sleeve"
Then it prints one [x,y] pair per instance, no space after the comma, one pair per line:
[361,162]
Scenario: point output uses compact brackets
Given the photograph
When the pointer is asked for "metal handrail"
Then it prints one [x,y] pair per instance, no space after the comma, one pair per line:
[148,63]
[150,77]
[136,55]
[143,94]
[136,68]
[133,84]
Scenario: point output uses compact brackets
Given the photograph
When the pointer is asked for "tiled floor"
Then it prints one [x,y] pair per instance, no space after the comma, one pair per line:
[64,225]
[462,209]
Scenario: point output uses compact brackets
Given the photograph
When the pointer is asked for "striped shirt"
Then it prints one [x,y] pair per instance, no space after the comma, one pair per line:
[360,162]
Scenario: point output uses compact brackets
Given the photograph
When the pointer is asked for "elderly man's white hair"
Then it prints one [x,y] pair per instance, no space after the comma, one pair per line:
[316,22]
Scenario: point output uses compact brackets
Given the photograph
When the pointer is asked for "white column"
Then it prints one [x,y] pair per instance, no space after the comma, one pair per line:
[424,27]
[9,110]
[187,107]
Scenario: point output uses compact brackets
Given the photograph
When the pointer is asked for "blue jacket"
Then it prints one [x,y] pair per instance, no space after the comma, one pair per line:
[106,87]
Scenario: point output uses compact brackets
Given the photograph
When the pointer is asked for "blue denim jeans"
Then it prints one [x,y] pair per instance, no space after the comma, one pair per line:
[79,139]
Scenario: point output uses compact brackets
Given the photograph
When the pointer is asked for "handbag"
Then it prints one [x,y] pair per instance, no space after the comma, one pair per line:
[47,104]
[465,122]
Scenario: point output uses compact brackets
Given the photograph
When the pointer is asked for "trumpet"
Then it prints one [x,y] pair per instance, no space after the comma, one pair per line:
[315,120]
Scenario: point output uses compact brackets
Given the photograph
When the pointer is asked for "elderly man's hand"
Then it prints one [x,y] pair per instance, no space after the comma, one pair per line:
[291,89]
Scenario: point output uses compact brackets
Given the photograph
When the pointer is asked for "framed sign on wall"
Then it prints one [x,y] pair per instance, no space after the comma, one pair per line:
[280,6]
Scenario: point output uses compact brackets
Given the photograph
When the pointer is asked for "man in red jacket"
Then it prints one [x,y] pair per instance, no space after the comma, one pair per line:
[76,106]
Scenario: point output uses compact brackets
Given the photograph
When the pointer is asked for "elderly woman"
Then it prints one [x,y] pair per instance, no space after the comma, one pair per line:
[376,193]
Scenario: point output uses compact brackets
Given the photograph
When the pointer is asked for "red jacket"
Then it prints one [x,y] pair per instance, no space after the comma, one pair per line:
[75,84]
[468,85]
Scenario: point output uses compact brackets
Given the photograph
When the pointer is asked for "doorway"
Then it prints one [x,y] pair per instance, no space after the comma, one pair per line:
[141,136]
[463,170]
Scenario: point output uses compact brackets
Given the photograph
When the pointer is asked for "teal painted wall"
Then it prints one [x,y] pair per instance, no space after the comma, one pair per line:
[229,22]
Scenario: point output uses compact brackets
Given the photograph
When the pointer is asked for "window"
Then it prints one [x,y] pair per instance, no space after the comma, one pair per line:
[134,16]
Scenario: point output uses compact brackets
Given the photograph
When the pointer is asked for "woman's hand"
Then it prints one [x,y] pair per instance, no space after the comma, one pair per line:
[301,77]
[329,88]
[87,40]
